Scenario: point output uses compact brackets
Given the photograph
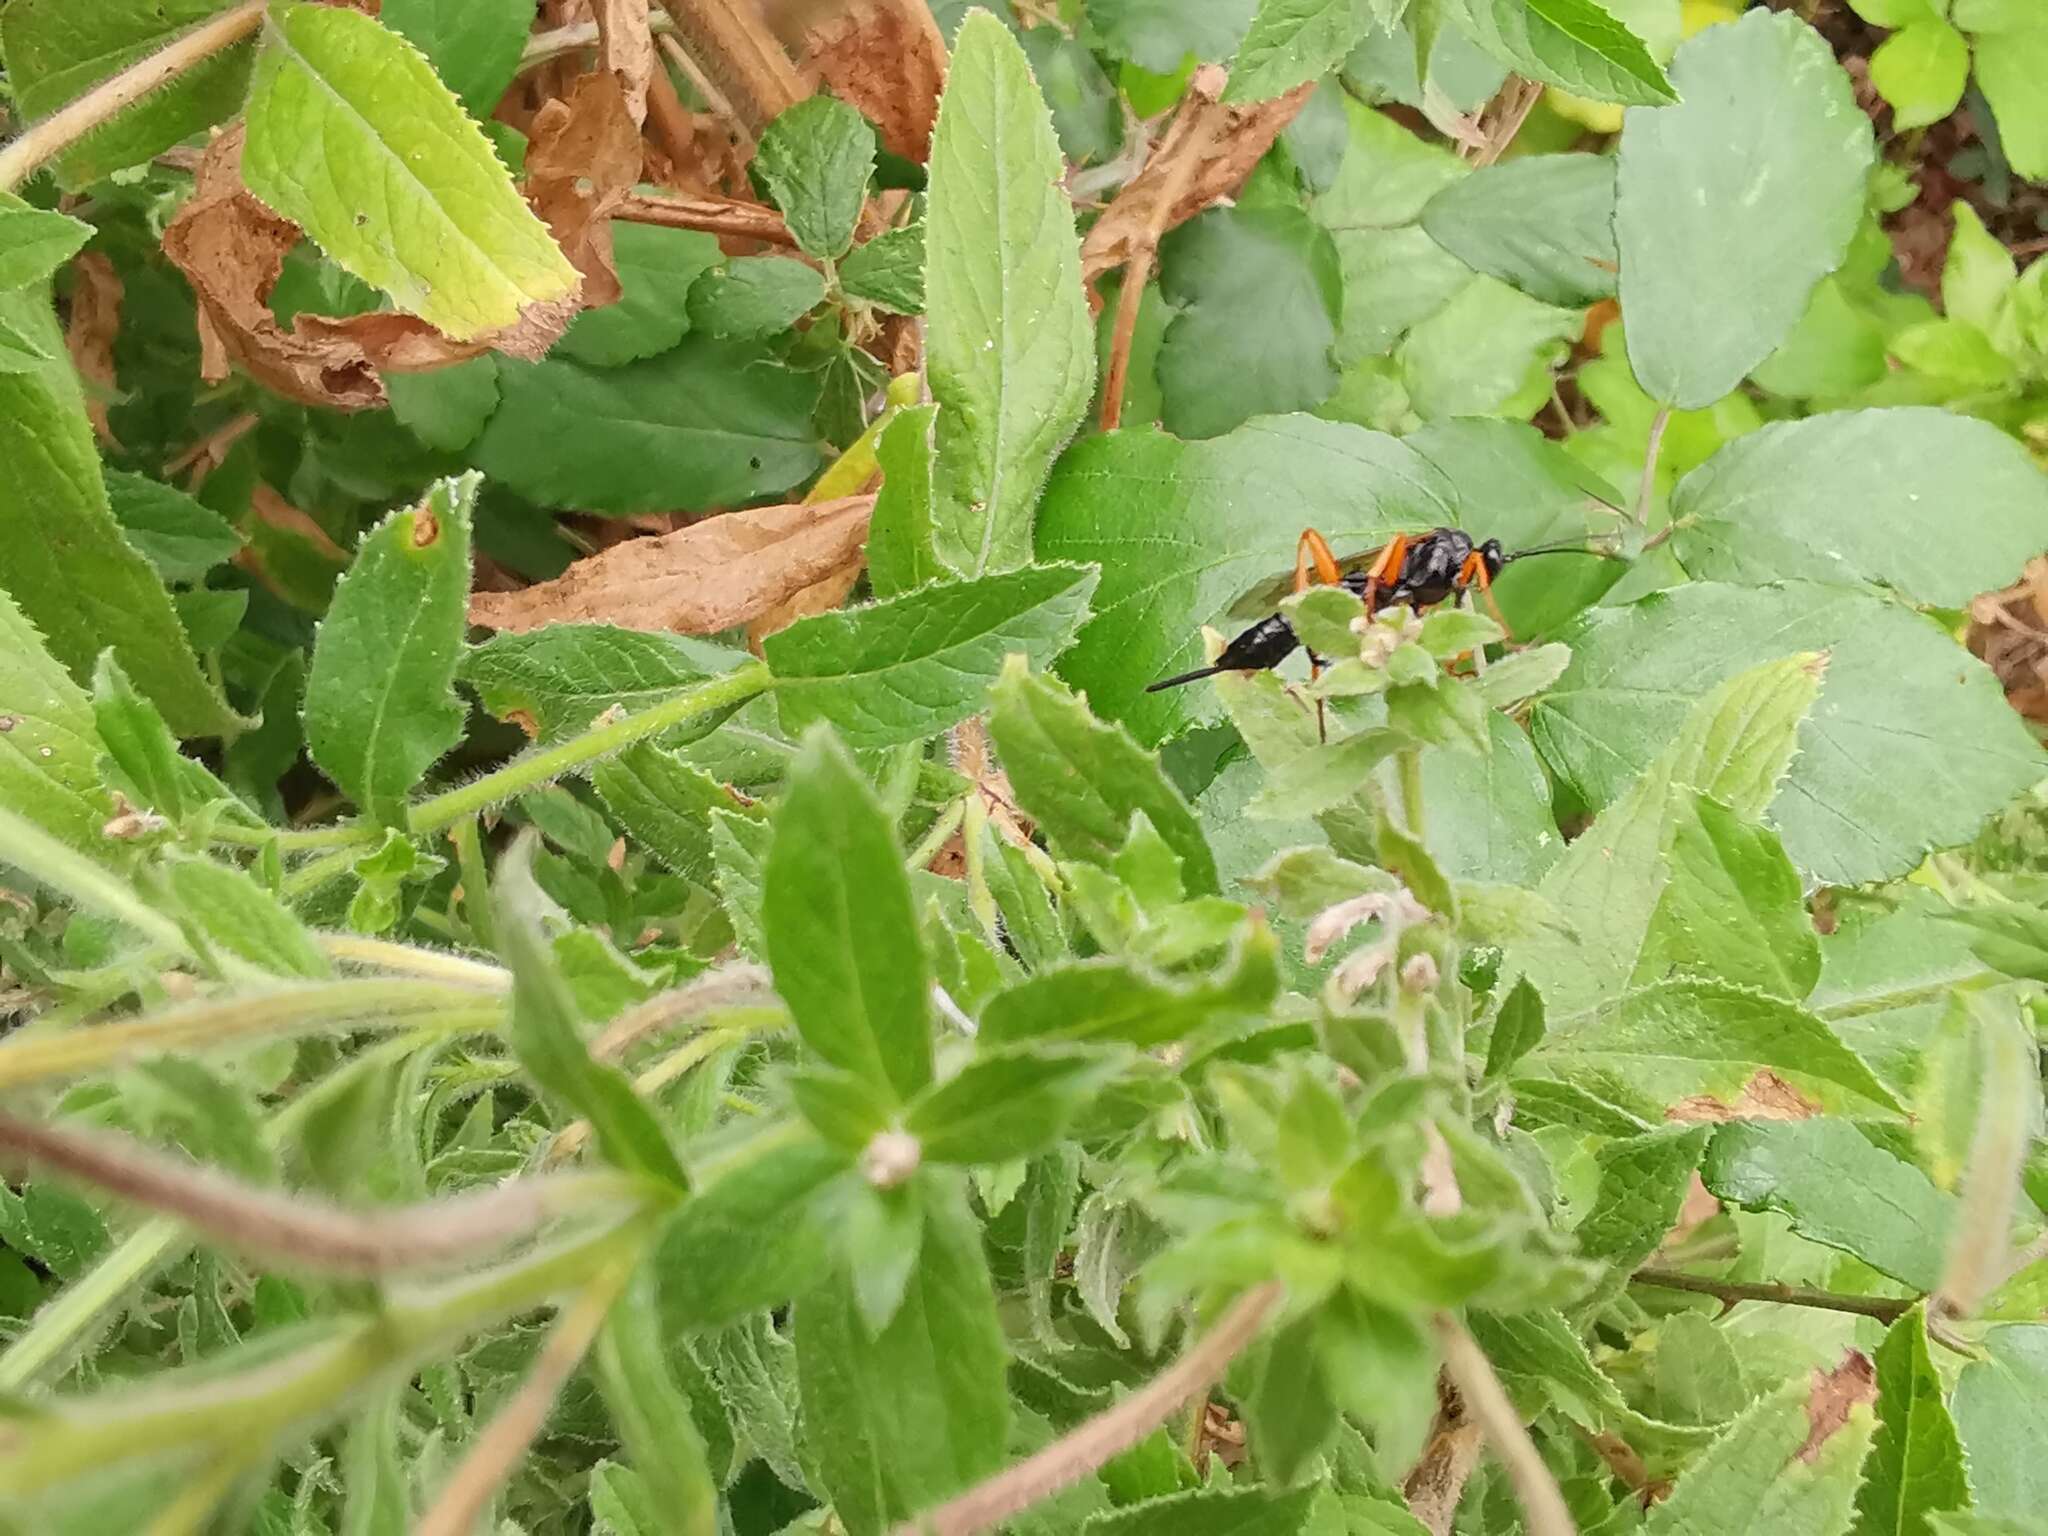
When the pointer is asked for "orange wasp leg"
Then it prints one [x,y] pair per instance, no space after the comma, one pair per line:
[1473,573]
[1385,572]
[1313,558]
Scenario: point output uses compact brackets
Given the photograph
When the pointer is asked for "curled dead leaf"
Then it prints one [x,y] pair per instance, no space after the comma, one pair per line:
[711,576]
[886,58]
[625,50]
[2009,632]
[231,249]
[89,334]
[1835,1395]
[1766,1096]
[584,160]
[1205,156]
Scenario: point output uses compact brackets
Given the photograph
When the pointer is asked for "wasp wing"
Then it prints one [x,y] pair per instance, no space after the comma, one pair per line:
[1271,592]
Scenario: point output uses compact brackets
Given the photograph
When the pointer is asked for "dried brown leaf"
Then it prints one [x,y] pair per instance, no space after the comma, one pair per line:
[584,160]
[821,596]
[1834,1397]
[1207,153]
[741,57]
[1766,1096]
[625,50]
[700,580]
[89,335]
[884,57]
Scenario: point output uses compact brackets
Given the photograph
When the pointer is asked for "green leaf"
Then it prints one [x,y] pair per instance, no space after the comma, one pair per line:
[142,747]
[1730,206]
[650,1412]
[64,560]
[897,1421]
[1258,292]
[1839,1190]
[352,137]
[1211,504]
[20,352]
[899,552]
[1541,1360]
[1916,1462]
[842,933]
[177,535]
[2001,1412]
[1112,1000]
[1543,224]
[815,160]
[1517,1028]
[911,666]
[887,271]
[448,408]
[656,269]
[1569,43]
[1009,345]
[1213,1511]
[1643,1184]
[1290,1411]
[35,243]
[1659,1044]
[474,46]
[1485,351]
[751,1240]
[1782,1467]
[543,1033]
[1847,496]
[705,424]
[755,296]
[374,1472]
[1007,1104]
[1082,780]
[50,750]
[665,805]
[1731,907]
[739,847]
[56,51]
[1921,69]
[380,698]
[561,678]
[231,912]
[1159,34]
[1897,691]
[2009,64]
[1292,41]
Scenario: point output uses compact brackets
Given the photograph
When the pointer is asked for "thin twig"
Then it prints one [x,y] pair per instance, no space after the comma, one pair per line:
[1884,1308]
[1115,1430]
[1487,1401]
[1651,451]
[1129,299]
[546,47]
[411,960]
[714,98]
[58,132]
[506,1438]
[722,988]
[707,211]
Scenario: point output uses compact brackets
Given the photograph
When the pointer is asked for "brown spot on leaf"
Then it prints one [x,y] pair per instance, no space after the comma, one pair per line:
[1834,1396]
[713,575]
[89,336]
[426,528]
[525,721]
[1766,1096]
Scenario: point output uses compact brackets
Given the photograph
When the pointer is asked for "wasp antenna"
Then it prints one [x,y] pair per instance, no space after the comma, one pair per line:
[1564,547]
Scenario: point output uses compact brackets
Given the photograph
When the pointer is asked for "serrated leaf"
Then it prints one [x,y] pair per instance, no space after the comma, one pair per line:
[380,697]
[180,537]
[842,934]
[751,1239]
[887,271]
[657,269]
[650,1412]
[64,560]
[57,50]
[1008,1104]
[739,848]
[1643,1184]
[33,242]
[1789,1464]
[1213,1511]
[1009,347]
[560,678]
[1542,223]
[474,46]
[1731,906]
[815,159]
[50,750]
[1916,1462]
[543,1033]
[1113,1000]
[898,1420]
[1839,1190]
[1292,41]
[911,666]
[665,805]
[2001,1412]
[1847,497]
[1897,691]
[1540,1358]
[1229,508]
[353,137]
[1574,44]
[705,424]
[1730,206]
[1082,780]
[233,913]
[753,297]
[900,556]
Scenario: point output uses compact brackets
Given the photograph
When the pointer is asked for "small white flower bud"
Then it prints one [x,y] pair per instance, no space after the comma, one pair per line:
[890,1158]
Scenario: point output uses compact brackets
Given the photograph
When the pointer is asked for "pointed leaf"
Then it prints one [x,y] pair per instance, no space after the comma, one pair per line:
[1916,1462]
[1575,44]
[815,159]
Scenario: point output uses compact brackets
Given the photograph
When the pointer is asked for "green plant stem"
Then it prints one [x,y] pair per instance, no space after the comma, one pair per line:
[550,763]
[1408,763]
[260,1402]
[314,873]
[341,834]
[1652,450]
[1884,1308]
[947,824]
[59,131]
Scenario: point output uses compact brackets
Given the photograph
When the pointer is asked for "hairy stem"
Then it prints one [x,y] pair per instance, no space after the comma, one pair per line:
[66,126]
[550,763]
[1111,1432]
[1652,451]
[1487,1401]
[1883,1308]
[1979,1250]
[942,829]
